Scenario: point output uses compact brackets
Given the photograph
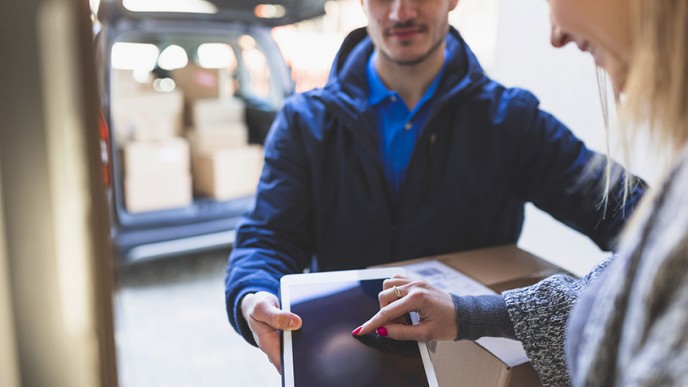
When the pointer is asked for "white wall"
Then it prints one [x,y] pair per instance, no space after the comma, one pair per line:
[51,204]
[564,81]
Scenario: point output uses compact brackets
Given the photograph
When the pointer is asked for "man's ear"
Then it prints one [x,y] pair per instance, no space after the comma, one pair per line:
[452,4]
[363,6]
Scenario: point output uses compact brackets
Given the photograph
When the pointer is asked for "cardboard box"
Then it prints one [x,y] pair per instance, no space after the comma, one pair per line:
[123,83]
[145,160]
[157,193]
[147,116]
[225,136]
[488,361]
[228,173]
[197,82]
[207,114]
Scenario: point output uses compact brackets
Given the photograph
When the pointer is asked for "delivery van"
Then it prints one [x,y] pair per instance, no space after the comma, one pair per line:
[189,90]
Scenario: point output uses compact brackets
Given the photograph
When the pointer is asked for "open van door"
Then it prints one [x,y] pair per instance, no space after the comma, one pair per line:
[56,267]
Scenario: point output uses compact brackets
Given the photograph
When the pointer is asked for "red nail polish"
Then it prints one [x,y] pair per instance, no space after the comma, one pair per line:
[355,332]
[381,331]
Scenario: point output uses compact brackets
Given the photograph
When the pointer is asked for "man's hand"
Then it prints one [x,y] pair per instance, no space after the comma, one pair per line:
[265,318]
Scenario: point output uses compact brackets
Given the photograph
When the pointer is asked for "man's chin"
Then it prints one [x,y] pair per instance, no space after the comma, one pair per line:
[405,54]
[410,60]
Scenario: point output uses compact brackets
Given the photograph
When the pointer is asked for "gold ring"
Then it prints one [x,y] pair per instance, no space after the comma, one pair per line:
[397,292]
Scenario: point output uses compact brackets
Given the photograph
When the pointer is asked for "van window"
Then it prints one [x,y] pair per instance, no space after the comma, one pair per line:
[257,68]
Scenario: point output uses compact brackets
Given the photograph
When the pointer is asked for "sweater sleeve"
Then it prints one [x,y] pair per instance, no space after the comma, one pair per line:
[539,314]
[482,316]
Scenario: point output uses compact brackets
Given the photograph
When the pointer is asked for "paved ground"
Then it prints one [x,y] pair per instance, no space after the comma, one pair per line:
[171,328]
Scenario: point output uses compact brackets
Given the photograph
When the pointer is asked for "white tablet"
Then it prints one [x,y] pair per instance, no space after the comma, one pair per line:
[324,353]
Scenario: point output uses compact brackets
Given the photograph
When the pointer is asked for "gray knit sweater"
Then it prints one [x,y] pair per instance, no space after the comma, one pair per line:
[632,330]
[536,315]
[631,327]
[630,322]
[539,314]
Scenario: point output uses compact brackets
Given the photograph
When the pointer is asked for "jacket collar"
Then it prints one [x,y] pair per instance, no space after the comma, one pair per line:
[348,76]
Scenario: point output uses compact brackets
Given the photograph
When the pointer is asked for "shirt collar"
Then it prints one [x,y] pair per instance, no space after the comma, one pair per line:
[379,92]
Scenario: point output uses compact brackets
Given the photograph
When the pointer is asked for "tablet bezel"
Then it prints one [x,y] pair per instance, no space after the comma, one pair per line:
[290,280]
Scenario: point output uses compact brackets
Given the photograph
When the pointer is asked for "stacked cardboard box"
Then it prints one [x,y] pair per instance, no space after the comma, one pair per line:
[214,112]
[197,82]
[156,175]
[226,174]
[147,115]
[224,165]
[156,162]
[139,113]
[228,136]
[217,124]
[123,82]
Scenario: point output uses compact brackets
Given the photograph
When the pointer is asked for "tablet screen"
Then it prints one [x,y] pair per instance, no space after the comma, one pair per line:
[323,351]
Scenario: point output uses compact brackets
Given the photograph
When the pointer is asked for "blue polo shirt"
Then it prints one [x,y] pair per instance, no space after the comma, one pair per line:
[398,126]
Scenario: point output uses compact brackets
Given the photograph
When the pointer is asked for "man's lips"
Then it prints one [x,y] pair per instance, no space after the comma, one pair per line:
[404,33]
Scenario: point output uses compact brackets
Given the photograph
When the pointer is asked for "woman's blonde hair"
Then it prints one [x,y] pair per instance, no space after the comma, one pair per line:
[657,85]
[656,90]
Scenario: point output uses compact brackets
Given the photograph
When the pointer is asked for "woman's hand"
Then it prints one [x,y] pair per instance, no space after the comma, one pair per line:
[400,296]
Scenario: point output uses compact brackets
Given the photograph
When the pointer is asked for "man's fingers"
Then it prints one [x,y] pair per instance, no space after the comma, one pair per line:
[268,312]
[261,311]
[270,344]
[285,321]
[268,339]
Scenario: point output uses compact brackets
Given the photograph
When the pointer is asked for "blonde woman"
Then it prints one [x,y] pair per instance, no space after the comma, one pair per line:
[629,326]
[633,328]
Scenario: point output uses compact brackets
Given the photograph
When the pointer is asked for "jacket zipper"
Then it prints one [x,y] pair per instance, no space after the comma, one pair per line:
[392,207]
[428,170]
[429,137]
[345,114]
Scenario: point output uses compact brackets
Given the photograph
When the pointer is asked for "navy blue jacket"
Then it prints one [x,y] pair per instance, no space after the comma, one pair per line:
[324,202]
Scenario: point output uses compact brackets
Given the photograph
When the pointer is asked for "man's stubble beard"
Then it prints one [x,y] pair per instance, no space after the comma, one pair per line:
[419,60]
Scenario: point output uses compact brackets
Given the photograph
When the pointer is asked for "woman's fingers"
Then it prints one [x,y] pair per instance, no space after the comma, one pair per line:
[396,288]
[391,295]
[395,281]
[405,332]
[393,312]
[435,310]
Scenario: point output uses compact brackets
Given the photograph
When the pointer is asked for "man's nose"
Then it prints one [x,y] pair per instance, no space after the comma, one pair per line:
[403,11]
[558,37]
